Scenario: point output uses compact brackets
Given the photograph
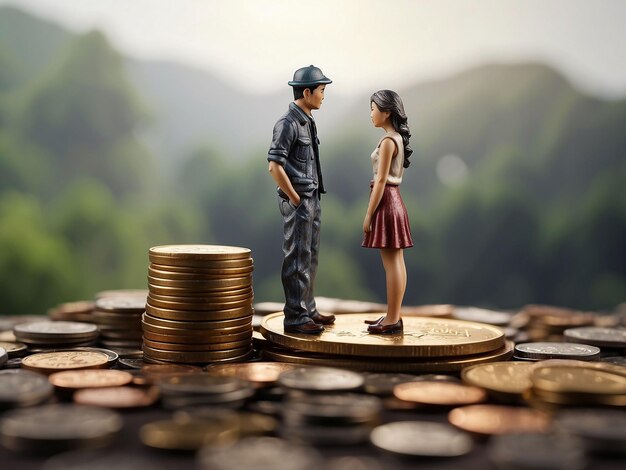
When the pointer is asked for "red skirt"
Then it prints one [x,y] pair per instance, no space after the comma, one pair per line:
[390,222]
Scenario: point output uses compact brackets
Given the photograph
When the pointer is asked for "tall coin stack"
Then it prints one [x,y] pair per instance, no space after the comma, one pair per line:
[119,320]
[199,307]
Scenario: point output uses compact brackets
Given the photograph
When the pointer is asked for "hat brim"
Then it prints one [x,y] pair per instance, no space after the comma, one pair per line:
[323,81]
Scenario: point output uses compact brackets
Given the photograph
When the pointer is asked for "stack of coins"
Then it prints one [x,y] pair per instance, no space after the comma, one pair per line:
[73,311]
[427,345]
[204,390]
[119,319]
[547,323]
[199,307]
[56,334]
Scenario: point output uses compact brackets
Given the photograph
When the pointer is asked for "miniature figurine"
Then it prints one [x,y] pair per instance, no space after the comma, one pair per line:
[386,223]
[295,166]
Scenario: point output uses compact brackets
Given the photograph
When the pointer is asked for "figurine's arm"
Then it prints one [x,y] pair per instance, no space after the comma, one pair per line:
[386,153]
[282,180]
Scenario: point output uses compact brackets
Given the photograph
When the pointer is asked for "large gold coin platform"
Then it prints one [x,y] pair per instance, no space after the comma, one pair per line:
[427,345]
[199,307]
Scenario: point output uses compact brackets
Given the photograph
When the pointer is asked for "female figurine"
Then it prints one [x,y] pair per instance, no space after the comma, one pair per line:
[386,224]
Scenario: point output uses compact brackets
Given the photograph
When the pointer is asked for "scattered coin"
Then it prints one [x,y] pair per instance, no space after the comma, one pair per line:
[597,336]
[540,351]
[421,438]
[13,349]
[508,378]
[97,378]
[117,397]
[497,419]
[320,379]
[439,393]
[259,373]
[23,388]
[47,363]
[53,428]
[188,435]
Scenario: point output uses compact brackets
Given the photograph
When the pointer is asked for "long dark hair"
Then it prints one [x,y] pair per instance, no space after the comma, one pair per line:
[388,100]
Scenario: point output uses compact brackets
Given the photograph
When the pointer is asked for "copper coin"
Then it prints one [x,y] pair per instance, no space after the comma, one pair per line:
[179,339]
[204,297]
[204,266]
[197,325]
[198,274]
[439,393]
[242,358]
[155,372]
[206,252]
[190,356]
[260,373]
[197,347]
[200,306]
[495,419]
[47,363]
[221,283]
[97,378]
[223,331]
[195,315]
[117,397]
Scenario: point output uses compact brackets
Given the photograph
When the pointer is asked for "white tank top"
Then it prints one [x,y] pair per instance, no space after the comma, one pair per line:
[397,162]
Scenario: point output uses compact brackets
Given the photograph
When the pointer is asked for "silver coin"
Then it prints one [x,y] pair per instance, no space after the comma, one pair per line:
[604,431]
[537,451]
[482,315]
[46,329]
[129,303]
[548,350]
[58,427]
[383,383]
[132,363]
[421,438]
[349,407]
[261,453]
[597,336]
[320,379]
[4,356]
[201,384]
[23,388]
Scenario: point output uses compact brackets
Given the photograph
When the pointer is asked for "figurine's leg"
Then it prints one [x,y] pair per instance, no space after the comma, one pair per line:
[296,261]
[395,274]
[315,245]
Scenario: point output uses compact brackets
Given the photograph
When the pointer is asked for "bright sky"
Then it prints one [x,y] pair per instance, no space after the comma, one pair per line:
[360,44]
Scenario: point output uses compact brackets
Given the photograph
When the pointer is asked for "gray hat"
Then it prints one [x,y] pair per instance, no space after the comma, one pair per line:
[307,76]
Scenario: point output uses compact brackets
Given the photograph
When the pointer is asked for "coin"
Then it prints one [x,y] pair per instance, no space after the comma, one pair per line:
[156,372]
[446,364]
[47,363]
[172,287]
[202,297]
[482,315]
[97,378]
[121,303]
[197,347]
[73,311]
[421,438]
[53,428]
[509,378]
[45,330]
[261,453]
[4,356]
[200,306]
[197,325]
[320,379]
[540,351]
[243,335]
[223,331]
[259,373]
[423,337]
[204,389]
[597,336]
[439,393]
[537,451]
[383,383]
[203,266]
[117,397]
[570,379]
[132,363]
[498,419]
[200,251]
[122,293]
[23,388]
[195,315]
[164,272]
[195,356]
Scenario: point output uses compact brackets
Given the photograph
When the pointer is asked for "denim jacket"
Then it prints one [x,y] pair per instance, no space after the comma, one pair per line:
[295,147]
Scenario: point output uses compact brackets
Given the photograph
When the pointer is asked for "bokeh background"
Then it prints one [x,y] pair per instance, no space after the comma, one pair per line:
[125,125]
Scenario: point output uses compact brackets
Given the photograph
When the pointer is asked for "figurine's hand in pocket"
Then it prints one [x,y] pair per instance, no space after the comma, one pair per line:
[367,223]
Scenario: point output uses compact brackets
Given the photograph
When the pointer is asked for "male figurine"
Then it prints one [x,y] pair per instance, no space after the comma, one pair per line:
[294,164]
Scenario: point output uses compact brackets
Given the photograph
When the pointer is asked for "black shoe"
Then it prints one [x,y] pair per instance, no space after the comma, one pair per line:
[379,329]
[374,322]
[308,328]
[320,319]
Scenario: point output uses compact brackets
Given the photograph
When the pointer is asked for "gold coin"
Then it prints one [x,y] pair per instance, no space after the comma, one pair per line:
[223,331]
[568,379]
[423,337]
[501,377]
[449,364]
[439,393]
[47,363]
[197,347]
[200,274]
[188,434]
[215,315]
[200,251]
[203,307]
[495,419]
[181,339]
[259,373]
[90,378]
[195,356]
[197,325]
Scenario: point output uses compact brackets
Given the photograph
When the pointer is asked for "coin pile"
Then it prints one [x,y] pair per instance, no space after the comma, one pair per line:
[199,307]
[427,345]
[56,334]
[73,311]
[119,320]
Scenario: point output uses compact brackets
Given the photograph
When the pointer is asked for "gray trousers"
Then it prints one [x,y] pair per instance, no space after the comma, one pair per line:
[301,241]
